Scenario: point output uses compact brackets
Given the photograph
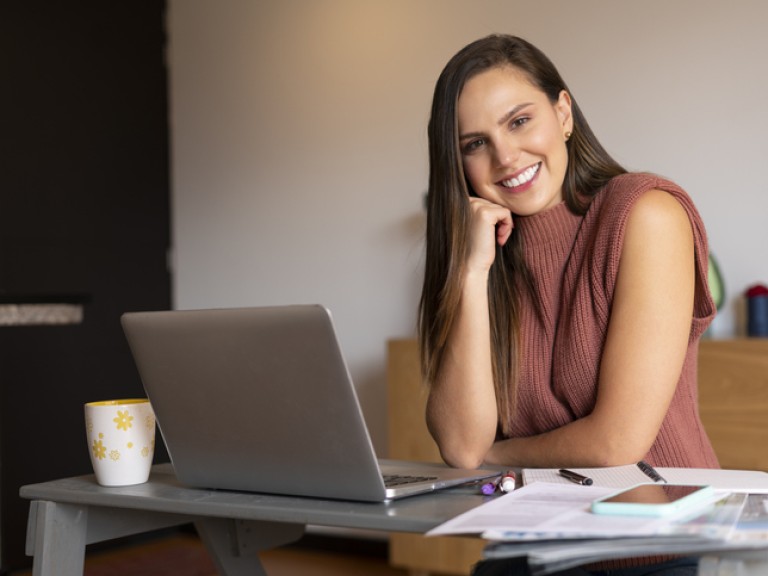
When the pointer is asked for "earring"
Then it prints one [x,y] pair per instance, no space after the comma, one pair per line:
[568,135]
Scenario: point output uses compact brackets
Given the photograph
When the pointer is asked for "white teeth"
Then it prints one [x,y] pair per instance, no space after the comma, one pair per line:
[522,178]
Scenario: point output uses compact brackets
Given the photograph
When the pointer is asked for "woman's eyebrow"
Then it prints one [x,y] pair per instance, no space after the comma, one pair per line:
[503,120]
[508,116]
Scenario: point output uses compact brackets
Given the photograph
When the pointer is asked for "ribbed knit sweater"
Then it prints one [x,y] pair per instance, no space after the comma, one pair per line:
[574,261]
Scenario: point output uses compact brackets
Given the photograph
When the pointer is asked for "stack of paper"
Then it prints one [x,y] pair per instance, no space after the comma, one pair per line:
[551,511]
[549,519]
[554,556]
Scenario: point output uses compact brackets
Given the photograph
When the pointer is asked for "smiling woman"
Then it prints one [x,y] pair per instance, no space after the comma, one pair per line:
[563,297]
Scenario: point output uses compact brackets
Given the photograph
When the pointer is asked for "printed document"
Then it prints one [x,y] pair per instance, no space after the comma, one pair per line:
[544,510]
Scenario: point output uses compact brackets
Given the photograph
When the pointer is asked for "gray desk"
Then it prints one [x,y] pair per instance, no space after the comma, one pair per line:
[67,514]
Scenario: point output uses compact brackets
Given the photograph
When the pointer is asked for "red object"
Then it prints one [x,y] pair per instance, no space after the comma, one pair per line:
[757,290]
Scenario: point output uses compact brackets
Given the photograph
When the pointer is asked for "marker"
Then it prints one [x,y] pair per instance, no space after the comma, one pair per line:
[489,487]
[575,477]
[507,482]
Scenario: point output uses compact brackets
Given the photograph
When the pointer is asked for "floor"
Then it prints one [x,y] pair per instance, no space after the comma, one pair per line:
[181,553]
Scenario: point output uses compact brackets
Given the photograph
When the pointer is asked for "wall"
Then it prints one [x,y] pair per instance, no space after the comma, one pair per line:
[84,212]
[299,147]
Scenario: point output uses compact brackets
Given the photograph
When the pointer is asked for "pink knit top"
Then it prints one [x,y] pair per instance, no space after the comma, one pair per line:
[574,261]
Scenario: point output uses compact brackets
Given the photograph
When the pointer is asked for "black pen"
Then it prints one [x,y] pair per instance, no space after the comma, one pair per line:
[650,471]
[575,477]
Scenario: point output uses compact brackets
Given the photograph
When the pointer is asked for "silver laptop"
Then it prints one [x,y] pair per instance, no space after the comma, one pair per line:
[260,400]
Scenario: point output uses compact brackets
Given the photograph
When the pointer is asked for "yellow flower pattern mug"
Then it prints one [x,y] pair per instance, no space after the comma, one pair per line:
[121,440]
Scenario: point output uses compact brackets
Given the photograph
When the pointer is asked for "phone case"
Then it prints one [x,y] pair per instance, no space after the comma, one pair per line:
[651,507]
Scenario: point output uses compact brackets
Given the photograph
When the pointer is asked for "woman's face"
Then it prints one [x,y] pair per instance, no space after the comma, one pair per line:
[512,140]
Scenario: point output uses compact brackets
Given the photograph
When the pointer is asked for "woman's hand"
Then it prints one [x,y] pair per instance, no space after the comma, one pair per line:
[491,225]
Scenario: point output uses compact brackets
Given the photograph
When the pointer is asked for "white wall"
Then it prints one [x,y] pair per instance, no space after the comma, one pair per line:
[299,146]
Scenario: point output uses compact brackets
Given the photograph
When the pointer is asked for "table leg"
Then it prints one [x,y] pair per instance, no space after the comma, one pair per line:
[56,537]
[234,545]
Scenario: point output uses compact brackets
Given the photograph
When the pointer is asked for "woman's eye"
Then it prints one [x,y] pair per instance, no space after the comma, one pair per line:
[473,145]
[517,122]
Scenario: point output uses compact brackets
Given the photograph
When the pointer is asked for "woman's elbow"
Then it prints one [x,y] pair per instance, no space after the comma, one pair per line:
[461,452]
[626,451]
[462,459]
[460,446]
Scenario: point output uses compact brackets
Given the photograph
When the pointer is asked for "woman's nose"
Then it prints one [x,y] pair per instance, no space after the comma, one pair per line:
[506,152]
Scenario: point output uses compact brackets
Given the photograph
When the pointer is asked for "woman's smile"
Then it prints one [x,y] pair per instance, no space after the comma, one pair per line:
[522,180]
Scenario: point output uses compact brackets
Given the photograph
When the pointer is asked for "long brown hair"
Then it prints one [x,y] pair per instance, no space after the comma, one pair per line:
[448,213]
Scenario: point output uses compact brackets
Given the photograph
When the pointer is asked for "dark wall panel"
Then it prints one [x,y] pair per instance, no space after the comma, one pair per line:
[84,210]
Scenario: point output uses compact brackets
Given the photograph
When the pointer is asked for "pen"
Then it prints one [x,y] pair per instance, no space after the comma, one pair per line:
[650,471]
[575,477]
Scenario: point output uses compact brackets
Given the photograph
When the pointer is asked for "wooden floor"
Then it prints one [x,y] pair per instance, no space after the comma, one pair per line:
[179,554]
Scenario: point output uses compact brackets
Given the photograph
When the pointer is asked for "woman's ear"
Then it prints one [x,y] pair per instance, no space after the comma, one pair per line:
[563,109]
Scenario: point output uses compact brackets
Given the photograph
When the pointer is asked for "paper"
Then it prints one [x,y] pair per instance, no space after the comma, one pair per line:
[753,522]
[551,556]
[750,481]
[611,477]
[710,532]
[548,510]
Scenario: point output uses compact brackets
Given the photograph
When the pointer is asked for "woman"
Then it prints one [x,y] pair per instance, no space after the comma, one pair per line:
[563,298]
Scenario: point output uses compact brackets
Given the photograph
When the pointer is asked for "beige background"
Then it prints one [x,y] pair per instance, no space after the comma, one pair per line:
[299,147]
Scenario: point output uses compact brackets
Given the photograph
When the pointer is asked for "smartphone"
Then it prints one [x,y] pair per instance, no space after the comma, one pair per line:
[653,499]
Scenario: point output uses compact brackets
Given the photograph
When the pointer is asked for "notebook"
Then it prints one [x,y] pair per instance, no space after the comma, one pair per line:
[260,400]
[749,481]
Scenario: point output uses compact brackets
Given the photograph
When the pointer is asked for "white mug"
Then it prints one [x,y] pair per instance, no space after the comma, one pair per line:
[121,440]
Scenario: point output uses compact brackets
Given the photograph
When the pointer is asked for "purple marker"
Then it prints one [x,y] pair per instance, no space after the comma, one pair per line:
[489,487]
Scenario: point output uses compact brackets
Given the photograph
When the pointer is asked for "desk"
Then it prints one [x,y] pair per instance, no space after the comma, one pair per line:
[67,514]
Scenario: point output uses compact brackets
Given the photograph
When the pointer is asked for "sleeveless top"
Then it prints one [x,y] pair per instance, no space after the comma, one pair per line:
[574,262]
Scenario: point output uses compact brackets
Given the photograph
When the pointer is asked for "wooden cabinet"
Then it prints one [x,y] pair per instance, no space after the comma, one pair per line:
[733,399]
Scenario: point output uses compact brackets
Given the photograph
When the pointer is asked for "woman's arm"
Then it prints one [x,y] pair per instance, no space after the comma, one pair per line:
[461,408]
[644,351]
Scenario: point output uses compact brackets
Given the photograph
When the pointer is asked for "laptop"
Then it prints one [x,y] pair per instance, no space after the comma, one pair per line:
[260,400]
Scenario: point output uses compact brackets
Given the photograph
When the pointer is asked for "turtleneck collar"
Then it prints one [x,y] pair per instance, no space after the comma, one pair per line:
[557,224]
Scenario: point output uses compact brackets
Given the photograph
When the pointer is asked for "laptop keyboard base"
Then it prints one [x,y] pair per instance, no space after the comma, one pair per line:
[391,480]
